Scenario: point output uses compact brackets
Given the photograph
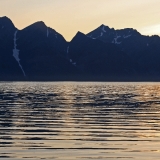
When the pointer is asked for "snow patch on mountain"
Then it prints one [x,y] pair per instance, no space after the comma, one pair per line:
[70,60]
[16,52]
[73,63]
[103,29]
[115,40]
[47,32]
[67,49]
[68,52]
[127,36]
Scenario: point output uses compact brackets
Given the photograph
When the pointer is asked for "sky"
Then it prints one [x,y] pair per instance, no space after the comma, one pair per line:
[69,16]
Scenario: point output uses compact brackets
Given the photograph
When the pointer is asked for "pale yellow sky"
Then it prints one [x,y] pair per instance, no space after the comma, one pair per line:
[69,16]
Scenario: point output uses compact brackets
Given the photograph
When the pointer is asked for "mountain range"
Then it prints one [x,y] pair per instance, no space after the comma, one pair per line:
[38,52]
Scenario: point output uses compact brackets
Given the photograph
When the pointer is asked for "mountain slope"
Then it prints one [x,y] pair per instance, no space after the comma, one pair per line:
[37,52]
[8,64]
[43,51]
[98,58]
[144,50]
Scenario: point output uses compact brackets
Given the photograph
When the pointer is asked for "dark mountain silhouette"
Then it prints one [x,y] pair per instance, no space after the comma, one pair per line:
[8,65]
[98,58]
[145,50]
[43,51]
[38,52]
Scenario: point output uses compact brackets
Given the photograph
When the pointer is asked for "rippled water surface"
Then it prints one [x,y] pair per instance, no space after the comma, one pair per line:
[79,121]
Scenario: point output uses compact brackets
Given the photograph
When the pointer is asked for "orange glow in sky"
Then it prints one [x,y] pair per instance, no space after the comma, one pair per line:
[69,16]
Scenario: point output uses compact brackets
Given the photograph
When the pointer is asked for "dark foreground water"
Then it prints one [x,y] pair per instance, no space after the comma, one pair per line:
[79,121]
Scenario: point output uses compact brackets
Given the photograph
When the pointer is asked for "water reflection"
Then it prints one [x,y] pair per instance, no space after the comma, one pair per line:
[79,120]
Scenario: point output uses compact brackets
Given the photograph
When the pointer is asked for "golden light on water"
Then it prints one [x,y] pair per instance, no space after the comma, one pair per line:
[73,121]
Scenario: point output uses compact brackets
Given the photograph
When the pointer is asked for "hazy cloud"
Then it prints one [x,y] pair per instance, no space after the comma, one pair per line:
[151,30]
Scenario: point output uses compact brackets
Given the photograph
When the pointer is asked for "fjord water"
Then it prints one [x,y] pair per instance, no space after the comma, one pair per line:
[79,121]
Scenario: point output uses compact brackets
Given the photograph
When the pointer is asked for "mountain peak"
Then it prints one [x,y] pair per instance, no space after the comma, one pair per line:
[78,35]
[4,18]
[98,32]
[128,31]
[37,25]
[102,25]
[5,21]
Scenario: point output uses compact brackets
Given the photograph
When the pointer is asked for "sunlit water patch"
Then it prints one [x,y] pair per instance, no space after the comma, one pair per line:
[79,121]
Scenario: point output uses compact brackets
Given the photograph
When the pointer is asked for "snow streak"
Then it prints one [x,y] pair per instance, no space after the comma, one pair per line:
[115,40]
[47,32]
[16,52]
[103,28]
[127,36]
